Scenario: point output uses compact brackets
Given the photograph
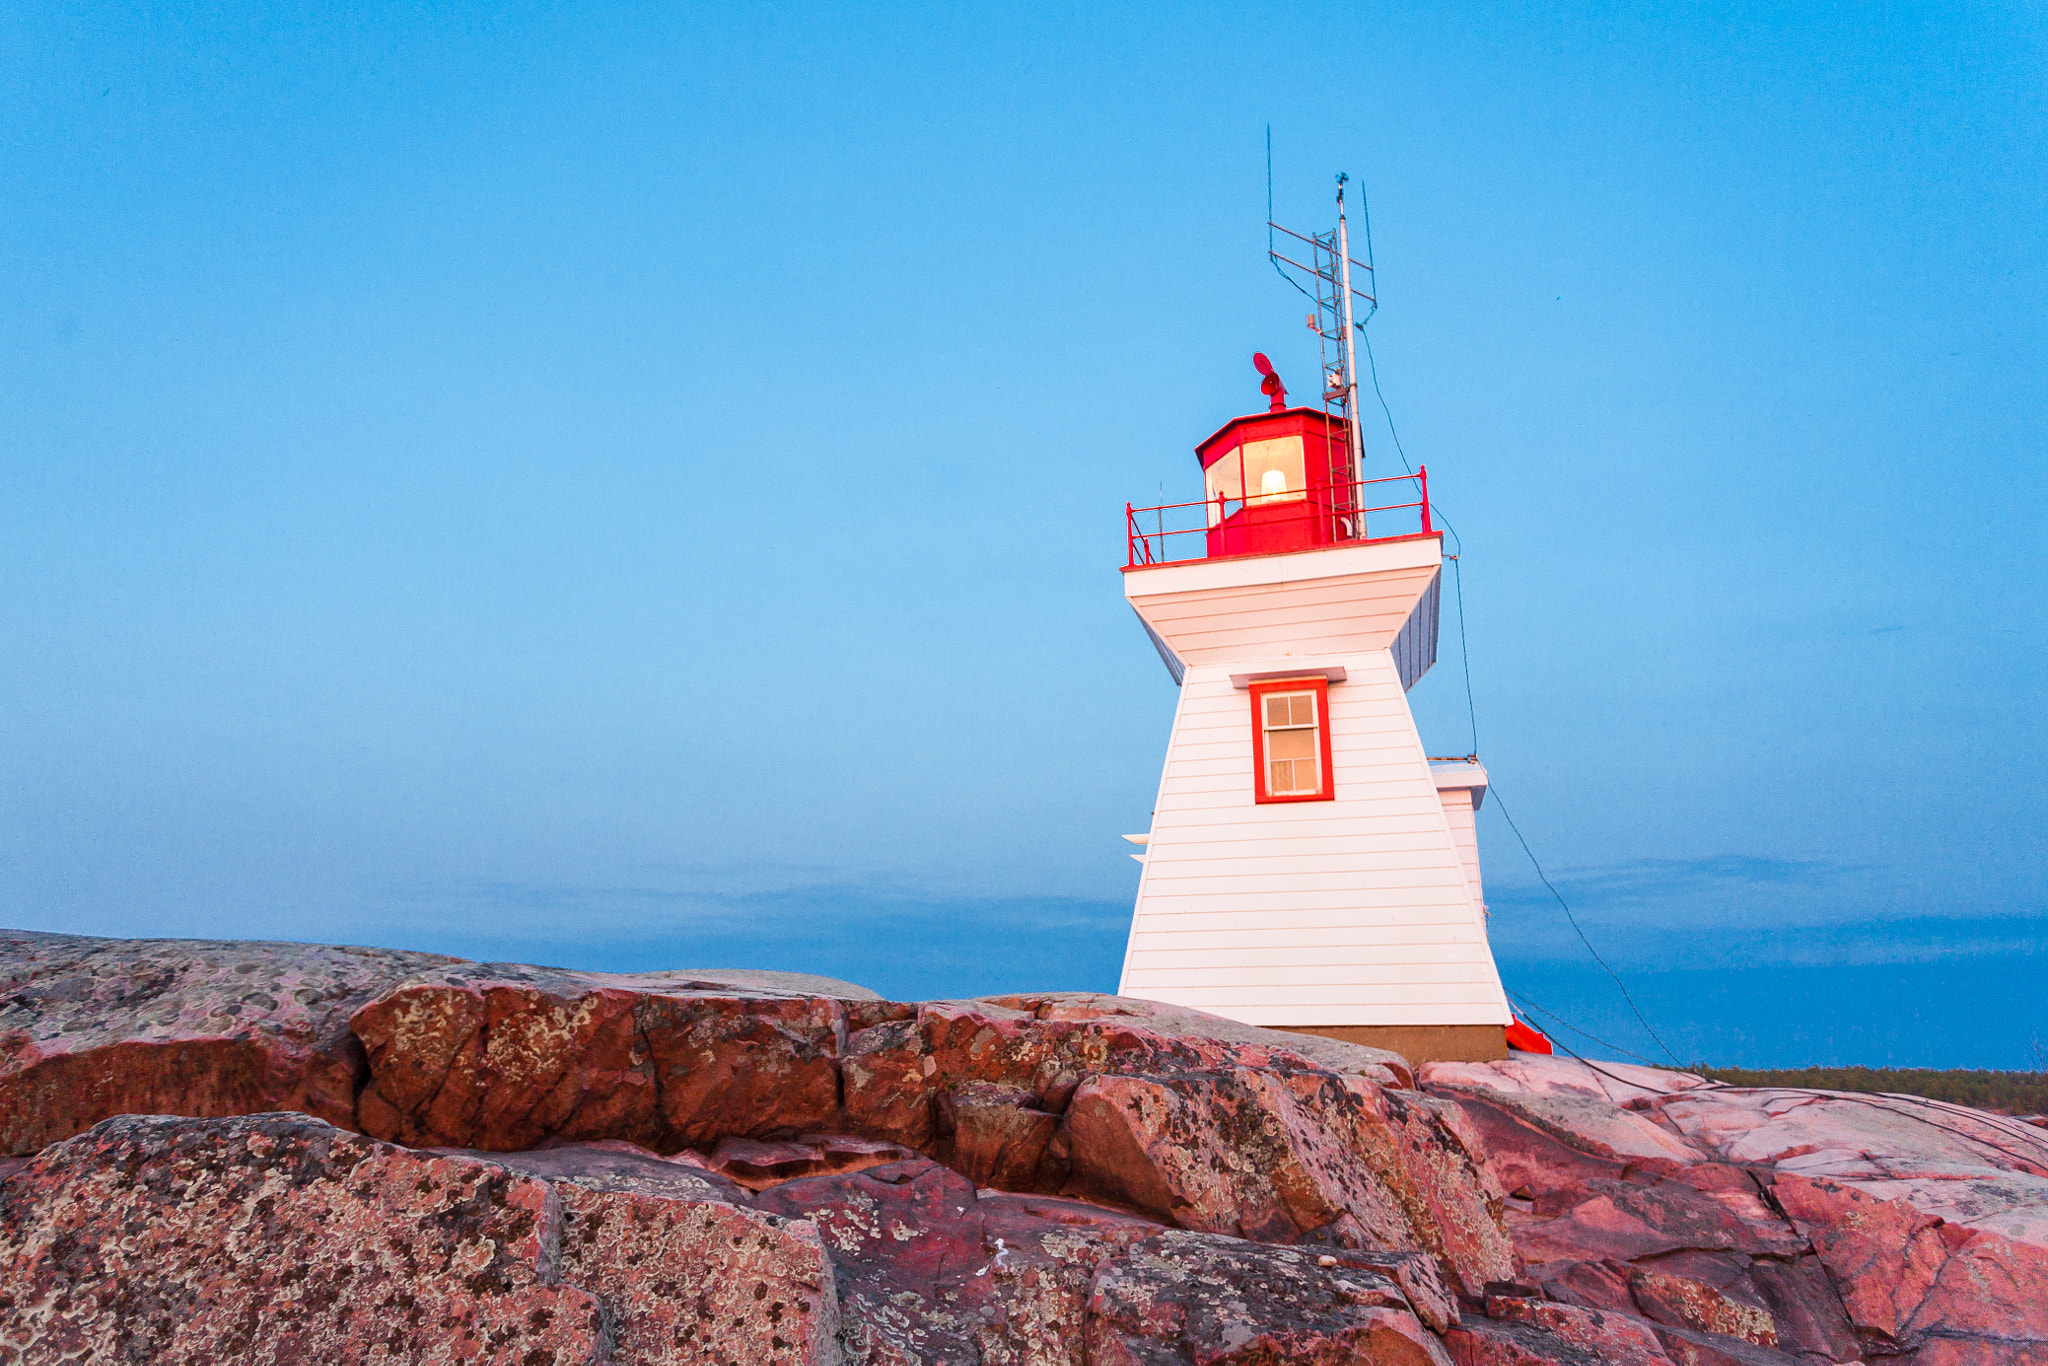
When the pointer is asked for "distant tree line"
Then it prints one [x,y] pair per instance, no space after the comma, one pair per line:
[2010,1093]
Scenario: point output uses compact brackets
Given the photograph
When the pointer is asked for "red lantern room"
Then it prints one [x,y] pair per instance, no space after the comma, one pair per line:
[1278,481]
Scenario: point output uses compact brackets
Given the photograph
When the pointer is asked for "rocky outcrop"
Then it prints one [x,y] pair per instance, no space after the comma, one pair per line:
[494,1162]
[278,1238]
[1753,1225]
[555,1165]
[96,1027]
[1057,1095]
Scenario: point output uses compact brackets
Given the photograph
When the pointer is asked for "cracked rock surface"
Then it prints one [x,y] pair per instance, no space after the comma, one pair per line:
[1661,1217]
[274,1152]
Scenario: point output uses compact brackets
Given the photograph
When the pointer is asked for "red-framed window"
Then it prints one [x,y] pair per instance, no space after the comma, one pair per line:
[1291,740]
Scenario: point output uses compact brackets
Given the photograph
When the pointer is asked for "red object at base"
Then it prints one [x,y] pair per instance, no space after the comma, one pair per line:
[1526,1039]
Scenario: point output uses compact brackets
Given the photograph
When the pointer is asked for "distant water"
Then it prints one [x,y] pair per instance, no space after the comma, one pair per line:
[1977,1011]
[1974,1010]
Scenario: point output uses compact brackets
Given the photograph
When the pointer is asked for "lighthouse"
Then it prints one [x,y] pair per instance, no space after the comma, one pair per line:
[1308,867]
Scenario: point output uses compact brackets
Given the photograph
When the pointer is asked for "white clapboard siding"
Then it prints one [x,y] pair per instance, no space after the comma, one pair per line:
[1362,910]
[1357,911]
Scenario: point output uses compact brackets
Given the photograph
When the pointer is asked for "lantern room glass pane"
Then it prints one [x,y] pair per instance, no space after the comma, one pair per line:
[1222,479]
[1274,470]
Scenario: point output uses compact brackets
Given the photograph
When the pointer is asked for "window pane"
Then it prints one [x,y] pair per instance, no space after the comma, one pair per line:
[1222,477]
[1304,708]
[1276,710]
[1274,470]
[1290,744]
[1293,777]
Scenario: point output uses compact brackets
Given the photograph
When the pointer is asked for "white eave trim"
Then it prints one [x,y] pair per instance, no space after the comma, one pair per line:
[1293,566]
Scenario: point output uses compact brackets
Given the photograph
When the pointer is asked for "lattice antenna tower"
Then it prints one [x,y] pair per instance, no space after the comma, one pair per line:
[1335,320]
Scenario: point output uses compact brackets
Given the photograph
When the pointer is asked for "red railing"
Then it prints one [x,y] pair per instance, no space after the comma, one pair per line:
[1328,516]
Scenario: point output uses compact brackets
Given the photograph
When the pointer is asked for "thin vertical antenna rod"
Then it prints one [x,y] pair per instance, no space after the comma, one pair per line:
[1350,347]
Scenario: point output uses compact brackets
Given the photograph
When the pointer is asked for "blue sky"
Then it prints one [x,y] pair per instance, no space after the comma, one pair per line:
[640,487]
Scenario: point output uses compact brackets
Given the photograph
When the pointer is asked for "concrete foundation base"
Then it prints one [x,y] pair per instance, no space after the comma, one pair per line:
[1419,1043]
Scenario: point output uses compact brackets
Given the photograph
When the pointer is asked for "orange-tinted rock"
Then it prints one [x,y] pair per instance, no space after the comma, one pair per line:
[501,1057]
[887,1076]
[1228,1136]
[91,1028]
[994,1135]
[1684,1302]
[1274,1155]
[757,1165]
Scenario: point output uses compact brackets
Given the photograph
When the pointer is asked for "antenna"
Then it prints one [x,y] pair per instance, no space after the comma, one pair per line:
[1350,340]
[1329,287]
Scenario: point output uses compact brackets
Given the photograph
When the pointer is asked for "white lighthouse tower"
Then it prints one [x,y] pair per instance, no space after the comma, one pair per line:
[1308,867]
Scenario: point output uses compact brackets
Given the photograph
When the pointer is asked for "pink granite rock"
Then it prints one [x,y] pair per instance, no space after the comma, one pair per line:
[994,1135]
[1683,1302]
[500,1056]
[1227,1136]
[1479,1343]
[1274,1156]
[1182,1297]
[699,1280]
[1911,1282]
[930,1272]
[277,1238]
[91,1028]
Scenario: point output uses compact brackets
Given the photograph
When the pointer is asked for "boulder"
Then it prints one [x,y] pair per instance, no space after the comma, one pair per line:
[1282,1152]
[91,1028]
[503,1056]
